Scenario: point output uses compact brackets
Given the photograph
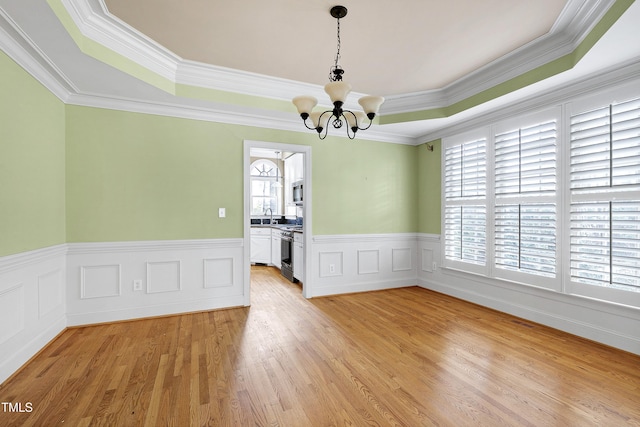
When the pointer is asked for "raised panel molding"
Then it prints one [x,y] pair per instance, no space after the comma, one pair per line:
[369,261]
[100,281]
[401,259]
[330,264]
[163,276]
[218,272]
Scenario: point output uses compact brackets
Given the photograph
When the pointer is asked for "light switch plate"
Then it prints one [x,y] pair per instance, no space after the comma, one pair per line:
[222,212]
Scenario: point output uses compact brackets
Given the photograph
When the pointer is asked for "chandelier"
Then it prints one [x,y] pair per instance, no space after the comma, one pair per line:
[338,92]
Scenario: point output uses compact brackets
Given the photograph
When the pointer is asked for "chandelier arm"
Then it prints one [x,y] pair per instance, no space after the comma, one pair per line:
[368,126]
[351,133]
[326,132]
[307,126]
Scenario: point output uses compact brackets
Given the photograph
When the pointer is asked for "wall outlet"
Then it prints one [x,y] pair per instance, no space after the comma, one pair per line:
[137,285]
[332,268]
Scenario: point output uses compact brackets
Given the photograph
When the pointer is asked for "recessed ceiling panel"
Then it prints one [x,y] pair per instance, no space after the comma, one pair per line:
[387,47]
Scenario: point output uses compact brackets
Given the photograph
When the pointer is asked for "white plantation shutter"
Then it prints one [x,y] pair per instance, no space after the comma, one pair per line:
[605,147]
[605,244]
[526,160]
[465,233]
[525,238]
[605,196]
[525,204]
[465,170]
[464,193]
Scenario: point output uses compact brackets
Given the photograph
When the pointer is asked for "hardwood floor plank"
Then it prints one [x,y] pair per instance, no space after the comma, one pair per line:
[401,357]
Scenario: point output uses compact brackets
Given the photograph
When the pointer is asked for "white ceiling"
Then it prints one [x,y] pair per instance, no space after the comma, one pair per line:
[387,48]
[420,55]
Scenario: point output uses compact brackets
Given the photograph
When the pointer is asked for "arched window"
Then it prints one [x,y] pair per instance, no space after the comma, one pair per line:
[266,188]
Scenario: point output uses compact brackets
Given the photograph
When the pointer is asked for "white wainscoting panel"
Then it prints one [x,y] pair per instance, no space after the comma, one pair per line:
[100,281]
[50,291]
[177,276]
[32,304]
[369,261]
[218,272]
[330,263]
[11,311]
[163,277]
[427,260]
[358,263]
[402,259]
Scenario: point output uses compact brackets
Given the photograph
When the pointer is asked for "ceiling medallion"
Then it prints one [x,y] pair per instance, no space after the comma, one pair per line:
[338,92]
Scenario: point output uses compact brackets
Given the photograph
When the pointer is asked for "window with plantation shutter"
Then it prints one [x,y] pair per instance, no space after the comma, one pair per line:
[525,199]
[549,199]
[605,196]
[464,197]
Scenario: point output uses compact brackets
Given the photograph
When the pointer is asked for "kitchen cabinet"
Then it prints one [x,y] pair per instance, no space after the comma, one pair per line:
[293,171]
[298,257]
[260,245]
[276,249]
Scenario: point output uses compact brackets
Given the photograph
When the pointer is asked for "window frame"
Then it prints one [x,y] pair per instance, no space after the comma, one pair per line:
[577,106]
[519,122]
[266,178]
[447,143]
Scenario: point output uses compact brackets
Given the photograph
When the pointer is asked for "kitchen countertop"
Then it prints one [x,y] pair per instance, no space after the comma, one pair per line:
[294,228]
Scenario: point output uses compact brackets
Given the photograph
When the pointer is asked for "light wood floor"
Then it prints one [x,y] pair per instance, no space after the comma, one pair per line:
[403,357]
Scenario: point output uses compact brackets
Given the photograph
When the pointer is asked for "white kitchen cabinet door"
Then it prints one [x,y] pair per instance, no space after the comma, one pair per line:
[298,261]
[276,249]
[261,249]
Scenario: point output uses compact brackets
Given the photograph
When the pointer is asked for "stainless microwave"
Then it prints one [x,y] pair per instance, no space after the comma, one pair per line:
[298,192]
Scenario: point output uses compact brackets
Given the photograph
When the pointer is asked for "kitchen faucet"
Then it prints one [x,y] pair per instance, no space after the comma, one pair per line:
[270,216]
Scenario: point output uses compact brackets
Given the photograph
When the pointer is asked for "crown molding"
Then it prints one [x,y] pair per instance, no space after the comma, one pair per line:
[18,46]
[96,23]
[21,49]
[626,73]
[575,22]
[220,114]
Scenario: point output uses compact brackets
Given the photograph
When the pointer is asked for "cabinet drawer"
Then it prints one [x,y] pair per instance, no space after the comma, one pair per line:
[260,231]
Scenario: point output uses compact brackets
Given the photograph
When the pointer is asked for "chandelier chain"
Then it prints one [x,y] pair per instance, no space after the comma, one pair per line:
[335,74]
[338,44]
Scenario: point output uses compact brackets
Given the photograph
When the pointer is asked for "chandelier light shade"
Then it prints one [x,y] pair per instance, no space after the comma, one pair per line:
[338,92]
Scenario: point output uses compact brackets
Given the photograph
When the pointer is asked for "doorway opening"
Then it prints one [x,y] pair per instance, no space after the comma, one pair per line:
[277,201]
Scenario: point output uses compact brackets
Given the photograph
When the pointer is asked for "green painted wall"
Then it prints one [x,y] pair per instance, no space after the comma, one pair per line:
[429,187]
[32,168]
[143,177]
[362,187]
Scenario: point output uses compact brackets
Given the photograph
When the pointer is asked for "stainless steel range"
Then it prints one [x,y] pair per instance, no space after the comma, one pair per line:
[286,250]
